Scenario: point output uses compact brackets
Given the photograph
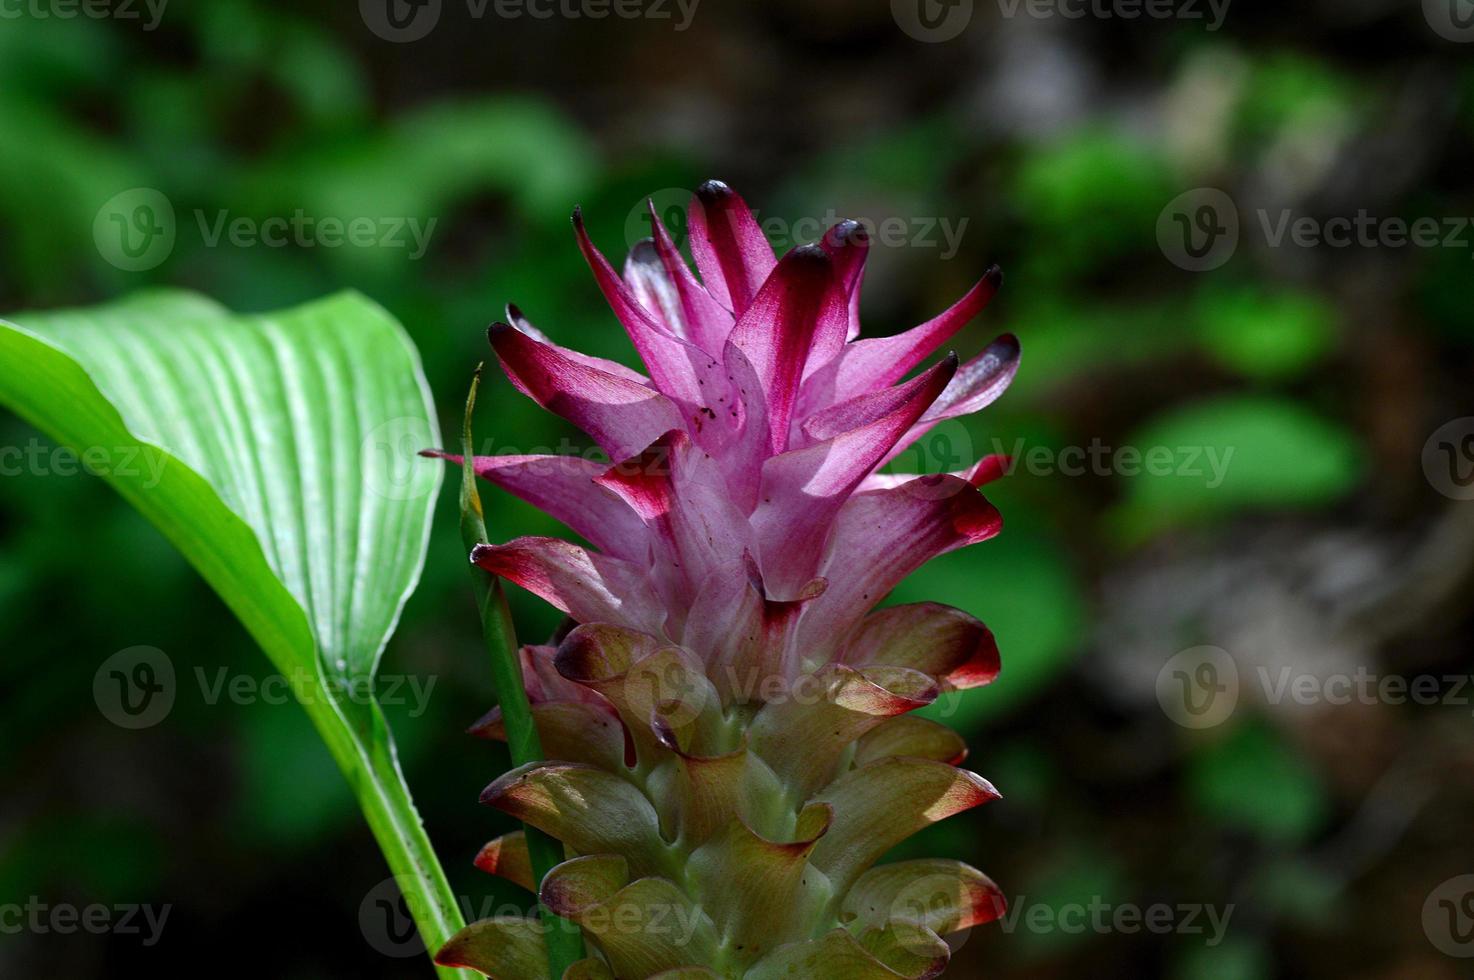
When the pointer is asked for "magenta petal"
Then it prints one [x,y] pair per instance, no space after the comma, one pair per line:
[731,252]
[979,383]
[586,585]
[565,488]
[652,288]
[878,361]
[681,495]
[742,633]
[622,416]
[979,474]
[870,407]
[516,318]
[849,244]
[679,368]
[776,334]
[881,537]
[803,489]
[707,322]
[729,629]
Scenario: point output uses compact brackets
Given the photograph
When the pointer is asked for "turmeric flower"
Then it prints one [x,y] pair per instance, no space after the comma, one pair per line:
[729,719]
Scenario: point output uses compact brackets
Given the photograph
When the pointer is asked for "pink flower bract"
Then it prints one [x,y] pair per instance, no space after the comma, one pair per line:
[745,518]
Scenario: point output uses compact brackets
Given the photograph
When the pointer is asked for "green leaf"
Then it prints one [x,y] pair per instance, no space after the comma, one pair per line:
[276,452]
[1292,94]
[1233,959]
[1080,883]
[1230,454]
[513,146]
[302,425]
[1266,335]
[1254,780]
[1086,199]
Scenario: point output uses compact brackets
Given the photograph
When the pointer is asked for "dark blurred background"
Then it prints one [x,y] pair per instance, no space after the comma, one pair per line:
[1330,378]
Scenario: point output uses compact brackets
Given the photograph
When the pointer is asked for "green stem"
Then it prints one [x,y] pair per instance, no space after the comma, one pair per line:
[564,942]
[359,739]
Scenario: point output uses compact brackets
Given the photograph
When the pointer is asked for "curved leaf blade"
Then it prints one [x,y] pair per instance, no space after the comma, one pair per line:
[277,452]
[303,422]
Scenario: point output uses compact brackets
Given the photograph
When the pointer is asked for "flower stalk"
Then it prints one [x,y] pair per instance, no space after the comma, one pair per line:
[564,943]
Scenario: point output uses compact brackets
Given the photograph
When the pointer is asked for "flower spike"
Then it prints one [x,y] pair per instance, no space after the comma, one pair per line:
[729,720]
